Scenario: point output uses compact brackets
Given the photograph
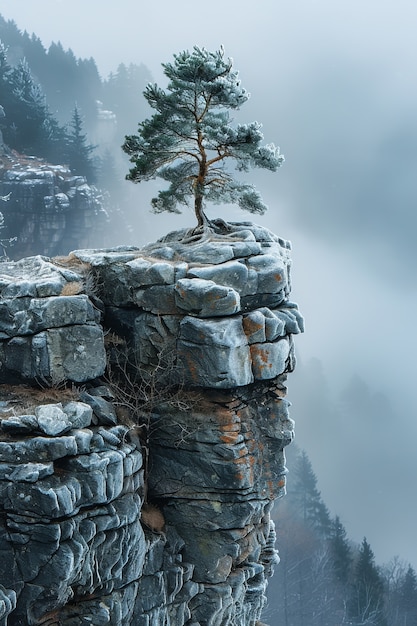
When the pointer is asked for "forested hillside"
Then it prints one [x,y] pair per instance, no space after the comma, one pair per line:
[325,579]
[58,106]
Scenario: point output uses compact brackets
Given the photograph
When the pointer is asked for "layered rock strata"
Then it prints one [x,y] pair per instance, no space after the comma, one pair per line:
[49,328]
[220,305]
[158,511]
[72,548]
[49,210]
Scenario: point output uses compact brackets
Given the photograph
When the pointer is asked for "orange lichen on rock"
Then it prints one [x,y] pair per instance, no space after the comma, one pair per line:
[229,426]
[245,463]
[229,438]
[261,354]
[251,326]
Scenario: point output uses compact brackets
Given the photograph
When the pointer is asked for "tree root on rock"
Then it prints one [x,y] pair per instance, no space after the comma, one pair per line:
[211,230]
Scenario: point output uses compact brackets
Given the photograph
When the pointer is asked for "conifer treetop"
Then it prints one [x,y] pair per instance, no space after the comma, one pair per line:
[189,139]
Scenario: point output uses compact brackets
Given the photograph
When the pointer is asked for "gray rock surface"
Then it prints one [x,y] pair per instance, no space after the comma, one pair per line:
[49,210]
[77,509]
[46,335]
[145,499]
[225,313]
[7,604]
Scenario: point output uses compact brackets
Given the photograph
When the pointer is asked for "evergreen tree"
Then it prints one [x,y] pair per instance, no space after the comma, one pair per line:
[60,79]
[21,45]
[79,150]
[28,125]
[188,141]
[27,132]
[341,552]
[35,53]
[408,598]
[122,94]
[308,498]
[68,80]
[367,600]
[107,175]
[56,140]
[88,90]
[8,100]
[64,78]
[4,65]
[323,579]
[9,33]
[6,91]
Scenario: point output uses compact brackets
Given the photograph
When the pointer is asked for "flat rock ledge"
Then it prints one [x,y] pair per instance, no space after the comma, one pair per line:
[151,508]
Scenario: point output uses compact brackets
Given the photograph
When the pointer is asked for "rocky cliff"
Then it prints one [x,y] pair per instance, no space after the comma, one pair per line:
[49,211]
[143,445]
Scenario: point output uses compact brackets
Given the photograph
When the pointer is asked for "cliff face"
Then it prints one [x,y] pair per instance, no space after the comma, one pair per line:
[145,497]
[49,211]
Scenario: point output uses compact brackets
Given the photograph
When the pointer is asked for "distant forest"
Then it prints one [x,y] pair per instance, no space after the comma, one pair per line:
[58,107]
[325,579]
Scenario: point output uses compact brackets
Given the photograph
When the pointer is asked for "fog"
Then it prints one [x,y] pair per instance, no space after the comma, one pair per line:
[334,85]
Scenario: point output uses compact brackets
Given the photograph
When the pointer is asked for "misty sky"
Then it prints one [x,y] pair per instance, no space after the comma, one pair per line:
[334,84]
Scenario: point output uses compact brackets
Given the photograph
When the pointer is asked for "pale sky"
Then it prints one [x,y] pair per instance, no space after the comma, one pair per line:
[334,83]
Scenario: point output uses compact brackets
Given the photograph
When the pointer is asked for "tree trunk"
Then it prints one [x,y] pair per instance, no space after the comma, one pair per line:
[202,220]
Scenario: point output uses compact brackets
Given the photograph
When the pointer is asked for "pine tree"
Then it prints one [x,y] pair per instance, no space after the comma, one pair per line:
[28,114]
[60,80]
[107,174]
[88,89]
[308,498]
[79,150]
[36,56]
[408,598]
[341,552]
[367,599]
[9,32]
[56,140]
[188,141]
[6,92]
[28,125]
[4,65]
[122,94]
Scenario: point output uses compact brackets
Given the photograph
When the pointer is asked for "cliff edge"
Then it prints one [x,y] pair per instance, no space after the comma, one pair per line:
[144,418]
